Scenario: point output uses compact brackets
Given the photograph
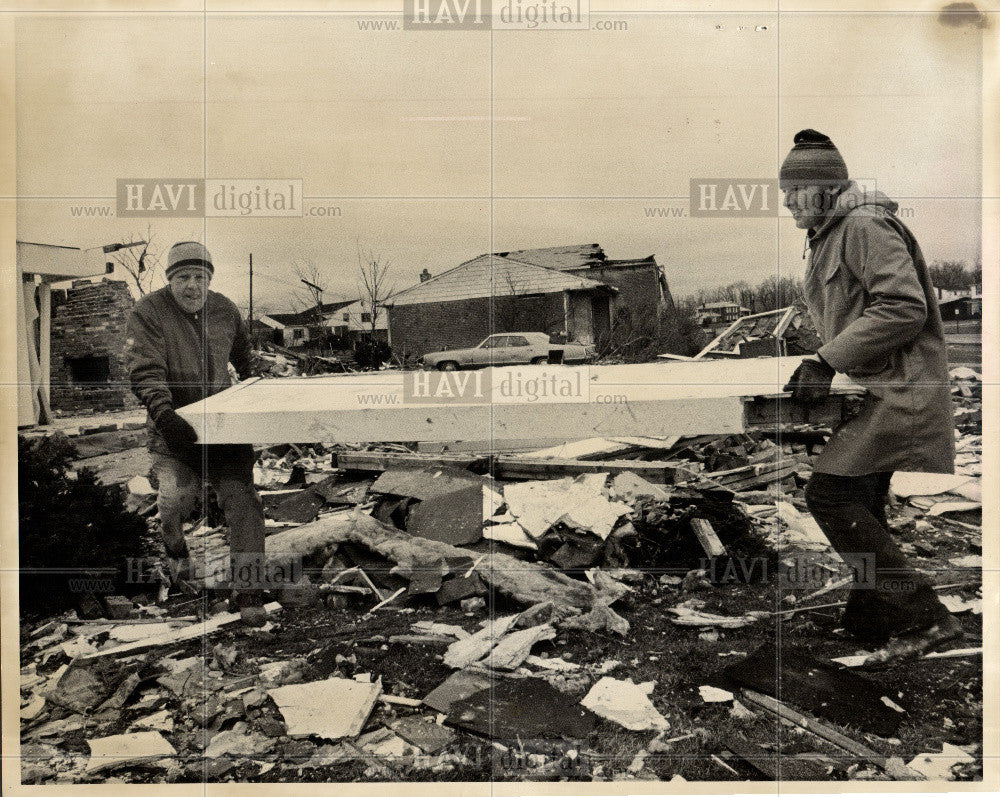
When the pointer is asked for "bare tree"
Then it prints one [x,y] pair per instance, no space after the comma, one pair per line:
[141,263]
[375,287]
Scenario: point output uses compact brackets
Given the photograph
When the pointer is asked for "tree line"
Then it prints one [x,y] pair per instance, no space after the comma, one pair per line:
[776,292]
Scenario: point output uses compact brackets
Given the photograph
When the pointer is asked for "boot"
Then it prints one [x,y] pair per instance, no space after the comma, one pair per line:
[914,645]
[250,604]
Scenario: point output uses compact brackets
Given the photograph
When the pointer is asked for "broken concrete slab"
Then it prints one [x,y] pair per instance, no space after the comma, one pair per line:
[459,588]
[300,507]
[84,685]
[127,749]
[425,484]
[577,552]
[600,616]
[713,694]
[525,708]
[160,721]
[336,708]
[492,501]
[454,518]
[626,703]
[390,748]
[338,492]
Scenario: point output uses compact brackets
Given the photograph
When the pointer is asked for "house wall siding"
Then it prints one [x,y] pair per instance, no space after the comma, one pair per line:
[421,328]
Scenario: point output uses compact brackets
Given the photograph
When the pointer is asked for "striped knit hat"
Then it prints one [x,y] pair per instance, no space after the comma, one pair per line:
[188,253]
[814,160]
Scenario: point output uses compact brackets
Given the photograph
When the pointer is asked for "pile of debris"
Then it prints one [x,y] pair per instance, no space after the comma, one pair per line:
[480,570]
[281,362]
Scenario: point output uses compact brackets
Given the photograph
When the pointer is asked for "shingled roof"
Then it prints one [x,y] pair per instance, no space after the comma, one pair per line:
[560,258]
[493,275]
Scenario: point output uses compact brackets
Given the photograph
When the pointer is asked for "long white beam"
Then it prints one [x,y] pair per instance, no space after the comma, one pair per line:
[543,401]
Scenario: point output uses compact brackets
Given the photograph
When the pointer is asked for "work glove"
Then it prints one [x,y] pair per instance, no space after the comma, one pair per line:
[810,384]
[175,430]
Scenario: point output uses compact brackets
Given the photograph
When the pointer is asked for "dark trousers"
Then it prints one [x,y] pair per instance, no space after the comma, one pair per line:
[229,469]
[888,597]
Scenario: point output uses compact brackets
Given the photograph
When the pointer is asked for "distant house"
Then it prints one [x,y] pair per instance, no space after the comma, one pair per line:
[712,314]
[958,305]
[961,308]
[297,329]
[573,293]
[354,320]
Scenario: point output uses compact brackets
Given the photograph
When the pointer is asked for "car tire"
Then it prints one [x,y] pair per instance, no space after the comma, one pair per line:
[539,360]
[448,365]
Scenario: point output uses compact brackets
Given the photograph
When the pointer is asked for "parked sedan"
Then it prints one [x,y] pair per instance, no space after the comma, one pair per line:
[511,348]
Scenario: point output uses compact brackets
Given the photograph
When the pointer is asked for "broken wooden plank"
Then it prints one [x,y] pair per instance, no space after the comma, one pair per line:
[127,749]
[895,769]
[766,412]
[590,448]
[650,399]
[376,461]
[195,631]
[706,535]
[505,467]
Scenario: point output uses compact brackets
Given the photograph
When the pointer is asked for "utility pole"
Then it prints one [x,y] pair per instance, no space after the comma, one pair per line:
[319,300]
[251,297]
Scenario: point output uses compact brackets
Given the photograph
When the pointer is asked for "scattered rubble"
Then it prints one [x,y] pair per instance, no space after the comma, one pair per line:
[461,598]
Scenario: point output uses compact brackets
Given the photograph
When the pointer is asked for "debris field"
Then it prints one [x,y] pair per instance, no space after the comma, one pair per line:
[602,610]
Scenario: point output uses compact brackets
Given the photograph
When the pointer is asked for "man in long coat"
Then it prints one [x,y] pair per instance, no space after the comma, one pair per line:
[869,294]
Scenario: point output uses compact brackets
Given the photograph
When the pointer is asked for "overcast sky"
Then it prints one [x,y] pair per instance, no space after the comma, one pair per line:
[437,147]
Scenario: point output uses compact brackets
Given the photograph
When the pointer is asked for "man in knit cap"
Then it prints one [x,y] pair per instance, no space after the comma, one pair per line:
[869,294]
[180,340]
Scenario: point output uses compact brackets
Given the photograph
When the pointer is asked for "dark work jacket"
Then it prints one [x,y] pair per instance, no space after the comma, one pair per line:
[176,358]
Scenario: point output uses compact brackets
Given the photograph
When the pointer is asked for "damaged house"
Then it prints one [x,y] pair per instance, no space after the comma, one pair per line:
[573,293]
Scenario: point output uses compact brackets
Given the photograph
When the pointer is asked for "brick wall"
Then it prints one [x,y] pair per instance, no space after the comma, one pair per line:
[91,323]
[419,328]
[638,294]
